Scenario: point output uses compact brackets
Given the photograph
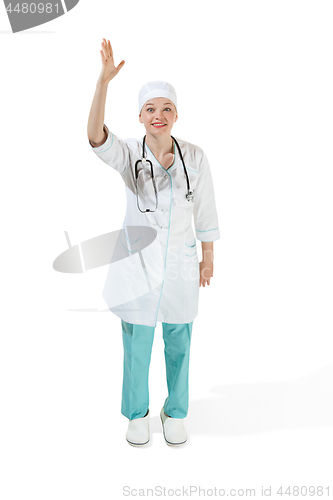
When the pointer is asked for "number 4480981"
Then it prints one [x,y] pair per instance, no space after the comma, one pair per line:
[32,8]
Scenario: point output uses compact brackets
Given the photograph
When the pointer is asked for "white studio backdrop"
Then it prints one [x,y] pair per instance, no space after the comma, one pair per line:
[254,82]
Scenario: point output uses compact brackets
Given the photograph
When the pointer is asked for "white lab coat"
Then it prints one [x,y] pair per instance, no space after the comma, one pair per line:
[165,288]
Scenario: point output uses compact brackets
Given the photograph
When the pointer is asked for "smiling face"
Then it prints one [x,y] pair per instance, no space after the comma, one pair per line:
[158,116]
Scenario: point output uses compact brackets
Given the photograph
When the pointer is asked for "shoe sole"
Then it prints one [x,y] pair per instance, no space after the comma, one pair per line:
[138,445]
[168,442]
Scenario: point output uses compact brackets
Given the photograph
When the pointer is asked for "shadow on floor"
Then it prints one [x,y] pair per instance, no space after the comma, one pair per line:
[251,408]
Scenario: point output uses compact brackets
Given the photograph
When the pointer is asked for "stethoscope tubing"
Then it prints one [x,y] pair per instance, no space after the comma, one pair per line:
[182,159]
[189,195]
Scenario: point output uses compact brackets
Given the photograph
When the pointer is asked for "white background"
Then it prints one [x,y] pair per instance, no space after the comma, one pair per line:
[254,81]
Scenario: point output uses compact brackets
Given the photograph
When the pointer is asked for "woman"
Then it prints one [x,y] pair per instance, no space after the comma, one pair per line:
[159,280]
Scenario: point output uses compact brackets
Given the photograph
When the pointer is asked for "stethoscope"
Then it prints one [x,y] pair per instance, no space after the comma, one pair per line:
[144,161]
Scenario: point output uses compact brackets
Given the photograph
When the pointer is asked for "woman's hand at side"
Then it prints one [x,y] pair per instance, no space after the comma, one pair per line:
[206,272]
[207,263]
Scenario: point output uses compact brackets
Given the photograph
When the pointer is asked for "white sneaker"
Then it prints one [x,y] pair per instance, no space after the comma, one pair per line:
[138,431]
[173,430]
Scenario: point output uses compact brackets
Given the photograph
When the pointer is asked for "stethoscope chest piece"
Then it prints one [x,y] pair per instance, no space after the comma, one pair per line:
[190,196]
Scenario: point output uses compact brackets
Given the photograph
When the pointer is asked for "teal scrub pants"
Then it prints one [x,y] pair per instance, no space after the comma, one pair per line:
[138,342]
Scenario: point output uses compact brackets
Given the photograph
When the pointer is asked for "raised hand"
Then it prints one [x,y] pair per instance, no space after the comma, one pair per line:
[109,70]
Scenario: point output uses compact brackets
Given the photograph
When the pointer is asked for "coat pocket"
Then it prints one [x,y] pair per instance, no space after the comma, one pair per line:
[191,262]
[190,249]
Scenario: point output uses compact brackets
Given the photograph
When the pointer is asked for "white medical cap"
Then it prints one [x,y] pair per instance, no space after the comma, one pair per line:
[156,89]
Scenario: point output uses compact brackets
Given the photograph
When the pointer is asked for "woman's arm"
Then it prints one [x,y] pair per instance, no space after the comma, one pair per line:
[96,134]
[207,263]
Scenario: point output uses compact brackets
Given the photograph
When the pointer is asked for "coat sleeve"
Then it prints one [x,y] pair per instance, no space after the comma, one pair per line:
[204,210]
[113,152]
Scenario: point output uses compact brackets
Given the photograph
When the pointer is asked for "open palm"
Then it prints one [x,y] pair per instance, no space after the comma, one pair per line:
[109,70]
